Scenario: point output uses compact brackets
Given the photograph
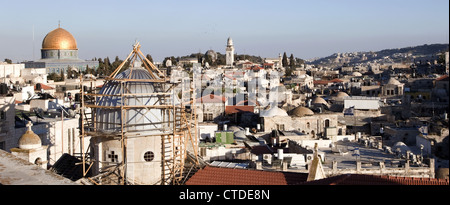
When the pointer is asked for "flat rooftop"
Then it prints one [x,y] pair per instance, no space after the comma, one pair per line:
[16,171]
[369,157]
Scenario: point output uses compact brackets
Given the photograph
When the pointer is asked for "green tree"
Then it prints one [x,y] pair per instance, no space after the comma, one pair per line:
[292,61]
[7,60]
[149,57]
[61,76]
[284,61]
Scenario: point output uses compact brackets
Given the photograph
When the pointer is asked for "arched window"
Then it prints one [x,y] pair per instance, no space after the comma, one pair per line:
[327,123]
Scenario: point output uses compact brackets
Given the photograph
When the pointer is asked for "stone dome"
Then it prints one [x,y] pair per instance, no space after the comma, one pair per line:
[272,112]
[357,74]
[302,111]
[319,100]
[339,96]
[136,118]
[29,140]
[59,39]
[393,81]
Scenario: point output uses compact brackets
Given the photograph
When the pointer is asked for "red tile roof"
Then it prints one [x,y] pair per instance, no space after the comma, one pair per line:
[442,78]
[236,109]
[336,80]
[321,82]
[361,179]
[211,98]
[226,176]
[45,87]
[247,102]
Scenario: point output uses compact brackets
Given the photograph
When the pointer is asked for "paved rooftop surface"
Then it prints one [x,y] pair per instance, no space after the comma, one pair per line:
[369,157]
[16,171]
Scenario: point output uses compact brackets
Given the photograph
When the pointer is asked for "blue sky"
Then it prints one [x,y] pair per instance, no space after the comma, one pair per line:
[306,29]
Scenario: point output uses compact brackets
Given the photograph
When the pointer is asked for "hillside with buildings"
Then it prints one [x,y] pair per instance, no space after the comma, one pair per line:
[407,55]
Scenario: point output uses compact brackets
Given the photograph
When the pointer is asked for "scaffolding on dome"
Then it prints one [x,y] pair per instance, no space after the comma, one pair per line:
[177,127]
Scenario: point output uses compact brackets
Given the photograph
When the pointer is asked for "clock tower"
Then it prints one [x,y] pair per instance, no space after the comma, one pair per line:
[230,52]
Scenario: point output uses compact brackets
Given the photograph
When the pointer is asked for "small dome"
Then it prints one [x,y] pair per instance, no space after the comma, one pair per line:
[319,100]
[339,96]
[272,112]
[302,111]
[393,81]
[356,74]
[230,41]
[29,140]
[402,146]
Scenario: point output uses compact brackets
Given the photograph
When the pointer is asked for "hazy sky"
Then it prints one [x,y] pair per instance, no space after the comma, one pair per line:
[266,28]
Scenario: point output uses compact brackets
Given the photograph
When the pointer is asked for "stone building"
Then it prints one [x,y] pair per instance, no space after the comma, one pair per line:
[304,120]
[392,88]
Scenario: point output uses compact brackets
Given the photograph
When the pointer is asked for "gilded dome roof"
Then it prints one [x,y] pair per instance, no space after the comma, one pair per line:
[29,140]
[59,39]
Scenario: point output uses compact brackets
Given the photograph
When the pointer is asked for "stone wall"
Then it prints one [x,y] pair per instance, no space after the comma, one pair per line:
[405,171]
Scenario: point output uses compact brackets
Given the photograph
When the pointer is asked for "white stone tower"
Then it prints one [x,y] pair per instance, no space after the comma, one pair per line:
[230,52]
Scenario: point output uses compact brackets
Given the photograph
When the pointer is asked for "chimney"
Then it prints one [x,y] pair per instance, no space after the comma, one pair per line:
[280,154]
[258,165]
[432,171]
[284,165]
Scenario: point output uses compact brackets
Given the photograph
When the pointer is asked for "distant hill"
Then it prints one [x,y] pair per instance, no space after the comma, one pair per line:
[386,55]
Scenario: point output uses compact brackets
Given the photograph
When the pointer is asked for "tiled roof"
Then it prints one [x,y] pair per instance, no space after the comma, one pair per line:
[442,78]
[45,87]
[361,179]
[237,109]
[321,82]
[211,98]
[336,80]
[226,176]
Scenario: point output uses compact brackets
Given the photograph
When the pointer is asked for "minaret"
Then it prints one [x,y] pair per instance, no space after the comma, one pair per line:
[230,52]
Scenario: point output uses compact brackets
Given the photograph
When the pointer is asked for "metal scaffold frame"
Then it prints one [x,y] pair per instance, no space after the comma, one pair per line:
[180,124]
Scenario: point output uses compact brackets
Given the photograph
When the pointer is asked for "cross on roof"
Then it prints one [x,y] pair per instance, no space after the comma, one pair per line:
[29,125]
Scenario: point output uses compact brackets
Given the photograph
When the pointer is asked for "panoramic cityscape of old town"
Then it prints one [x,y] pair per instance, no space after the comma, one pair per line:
[220,115]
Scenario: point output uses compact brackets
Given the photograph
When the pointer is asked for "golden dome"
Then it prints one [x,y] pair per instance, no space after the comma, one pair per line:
[59,39]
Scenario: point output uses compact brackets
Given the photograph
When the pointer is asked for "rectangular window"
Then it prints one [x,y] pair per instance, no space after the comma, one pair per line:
[2,145]
[208,117]
[280,127]
[2,115]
